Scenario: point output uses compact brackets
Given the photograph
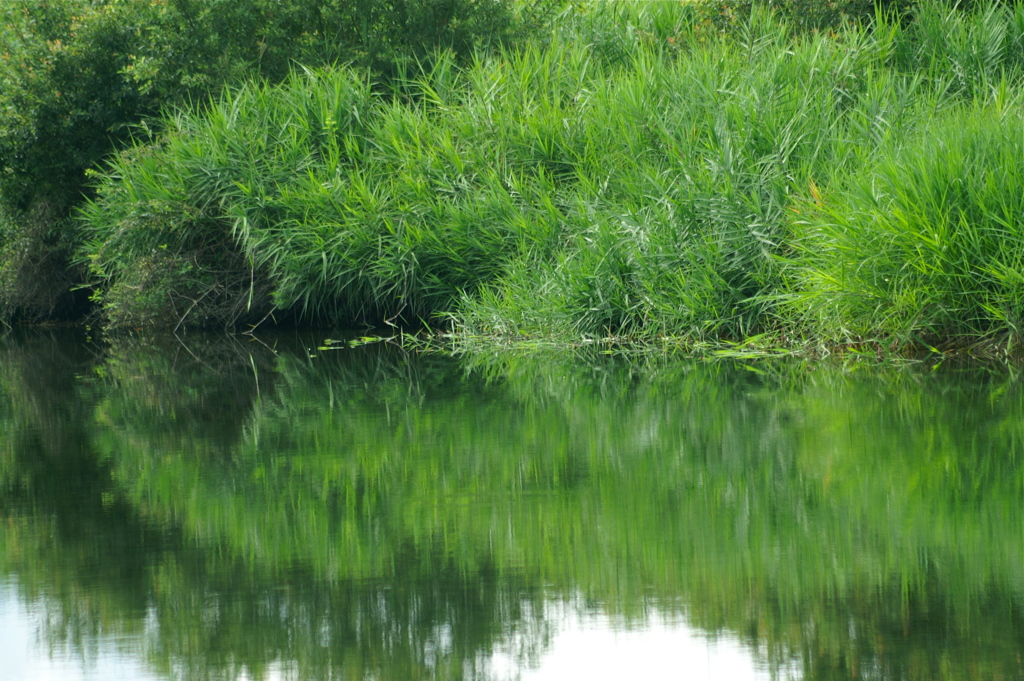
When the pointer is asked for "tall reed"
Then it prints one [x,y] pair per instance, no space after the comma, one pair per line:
[927,246]
[632,175]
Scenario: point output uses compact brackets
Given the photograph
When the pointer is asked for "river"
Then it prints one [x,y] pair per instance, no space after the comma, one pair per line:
[220,507]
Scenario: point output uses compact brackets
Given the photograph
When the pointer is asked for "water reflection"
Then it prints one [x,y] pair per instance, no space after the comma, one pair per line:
[597,647]
[30,652]
[226,509]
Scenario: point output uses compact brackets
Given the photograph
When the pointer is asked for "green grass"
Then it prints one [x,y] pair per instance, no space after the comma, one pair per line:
[927,245]
[635,175]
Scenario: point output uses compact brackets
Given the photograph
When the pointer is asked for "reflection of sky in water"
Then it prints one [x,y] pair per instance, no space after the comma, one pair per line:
[582,646]
[597,647]
[24,657]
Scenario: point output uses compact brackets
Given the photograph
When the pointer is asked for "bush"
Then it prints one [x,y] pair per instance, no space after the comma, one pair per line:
[341,204]
[636,175]
[35,282]
[567,193]
[78,76]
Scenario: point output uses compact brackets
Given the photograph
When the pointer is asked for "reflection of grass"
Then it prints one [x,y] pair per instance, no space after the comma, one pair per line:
[764,502]
[197,388]
[101,567]
[377,498]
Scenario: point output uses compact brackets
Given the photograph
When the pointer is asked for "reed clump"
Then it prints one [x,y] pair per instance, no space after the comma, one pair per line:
[927,245]
[343,204]
[634,175]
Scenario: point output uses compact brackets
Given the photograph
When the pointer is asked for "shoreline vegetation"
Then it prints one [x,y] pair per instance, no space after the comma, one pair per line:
[708,175]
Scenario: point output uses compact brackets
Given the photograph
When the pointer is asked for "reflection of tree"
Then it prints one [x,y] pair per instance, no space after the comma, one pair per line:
[204,613]
[39,407]
[64,533]
[370,512]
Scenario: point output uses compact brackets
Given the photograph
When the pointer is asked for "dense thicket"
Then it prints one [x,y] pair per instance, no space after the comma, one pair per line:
[639,174]
[77,76]
[719,170]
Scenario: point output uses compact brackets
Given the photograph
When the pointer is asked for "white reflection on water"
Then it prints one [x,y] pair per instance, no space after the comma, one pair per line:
[24,656]
[580,644]
[595,646]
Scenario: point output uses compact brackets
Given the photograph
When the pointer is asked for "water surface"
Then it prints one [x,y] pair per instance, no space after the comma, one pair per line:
[220,508]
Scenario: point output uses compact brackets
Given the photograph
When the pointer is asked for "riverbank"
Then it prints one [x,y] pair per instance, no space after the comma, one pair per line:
[635,175]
